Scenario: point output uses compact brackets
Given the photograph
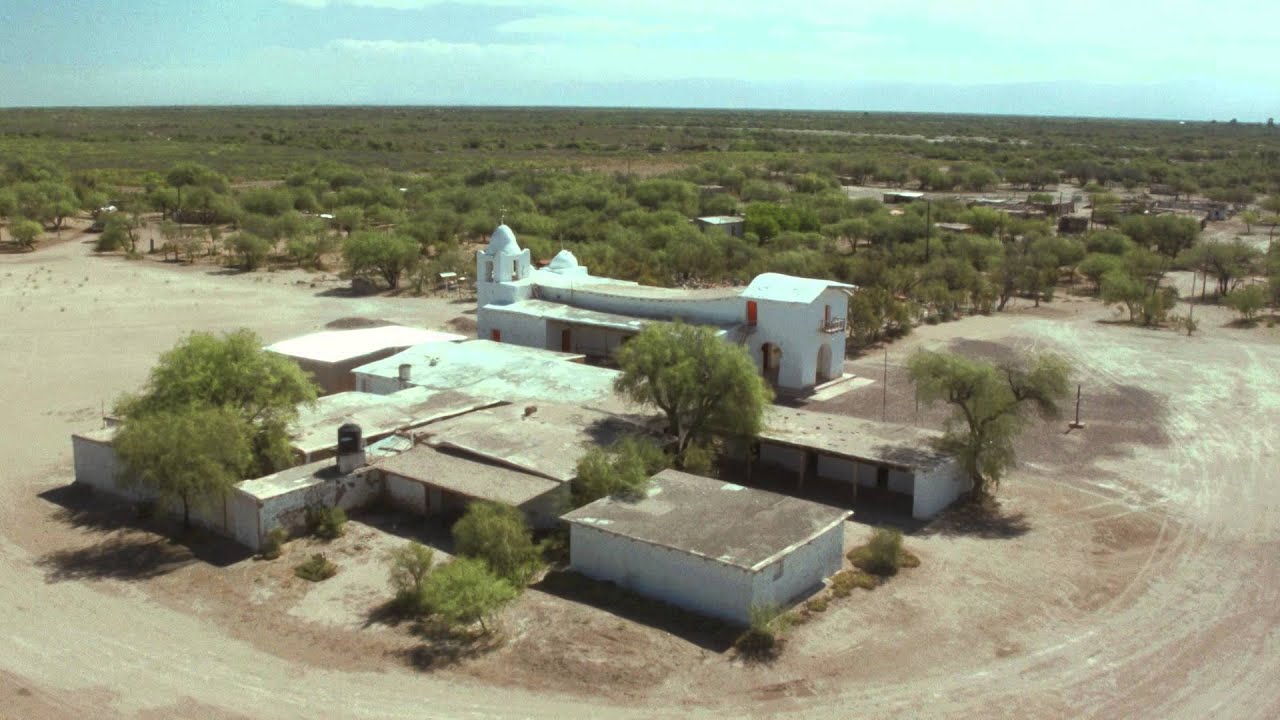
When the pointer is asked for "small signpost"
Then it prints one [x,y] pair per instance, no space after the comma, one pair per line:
[1076,425]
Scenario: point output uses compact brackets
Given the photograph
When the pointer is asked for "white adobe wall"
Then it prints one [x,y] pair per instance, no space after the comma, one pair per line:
[516,328]
[787,458]
[96,466]
[796,329]
[406,494]
[242,520]
[597,342]
[379,385]
[801,571]
[703,586]
[289,510]
[937,489]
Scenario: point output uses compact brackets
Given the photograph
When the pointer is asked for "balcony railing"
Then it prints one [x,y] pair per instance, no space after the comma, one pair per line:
[834,325]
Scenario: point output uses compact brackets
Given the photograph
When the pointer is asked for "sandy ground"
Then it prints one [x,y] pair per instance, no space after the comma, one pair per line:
[1133,571]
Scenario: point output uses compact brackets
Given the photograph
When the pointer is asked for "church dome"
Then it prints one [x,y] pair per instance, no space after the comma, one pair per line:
[563,260]
[503,242]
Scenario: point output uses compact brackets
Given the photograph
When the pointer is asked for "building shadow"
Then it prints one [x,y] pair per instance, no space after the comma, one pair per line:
[432,531]
[983,518]
[129,547]
[707,633]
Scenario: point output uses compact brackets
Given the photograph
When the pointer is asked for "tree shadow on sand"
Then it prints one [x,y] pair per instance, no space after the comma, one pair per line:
[442,645]
[128,547]
[981,518]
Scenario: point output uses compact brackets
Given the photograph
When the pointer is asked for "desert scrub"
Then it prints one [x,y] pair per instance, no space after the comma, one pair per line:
[844,582]
[883,555]
[316,568]
[274,543]
[327,523]
[761,640]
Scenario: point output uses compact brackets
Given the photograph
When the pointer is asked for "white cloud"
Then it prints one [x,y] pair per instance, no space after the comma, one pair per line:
[590,25]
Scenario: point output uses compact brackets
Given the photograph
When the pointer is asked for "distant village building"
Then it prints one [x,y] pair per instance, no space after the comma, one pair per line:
[330,356]
[731,224]
[709,546]
[1072,225]
[792,328]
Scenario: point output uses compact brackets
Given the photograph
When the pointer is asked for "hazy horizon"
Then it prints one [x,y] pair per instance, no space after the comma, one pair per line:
[1092,59]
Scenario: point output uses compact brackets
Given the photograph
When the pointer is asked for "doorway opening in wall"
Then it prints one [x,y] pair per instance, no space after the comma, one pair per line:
[488,270]
[770,361]
[824,373]
[566,340]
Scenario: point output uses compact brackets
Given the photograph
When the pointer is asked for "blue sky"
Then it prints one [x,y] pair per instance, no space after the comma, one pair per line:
[1167,59]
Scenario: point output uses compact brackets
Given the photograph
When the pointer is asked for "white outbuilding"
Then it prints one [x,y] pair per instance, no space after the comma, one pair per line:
[709,546]
[330,356]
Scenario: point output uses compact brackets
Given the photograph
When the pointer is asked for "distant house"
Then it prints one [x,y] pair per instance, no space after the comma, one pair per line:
[708,546]
[902,196]
[1072,225]
[957,227]
[731,224]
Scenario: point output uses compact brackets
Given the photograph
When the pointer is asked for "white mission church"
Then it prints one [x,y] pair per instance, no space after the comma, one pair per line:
[793,328]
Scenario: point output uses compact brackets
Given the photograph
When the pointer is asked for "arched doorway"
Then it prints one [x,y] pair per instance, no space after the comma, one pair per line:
[824,364]
[770,361]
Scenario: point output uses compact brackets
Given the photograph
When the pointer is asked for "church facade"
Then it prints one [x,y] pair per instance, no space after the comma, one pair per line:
[793,328]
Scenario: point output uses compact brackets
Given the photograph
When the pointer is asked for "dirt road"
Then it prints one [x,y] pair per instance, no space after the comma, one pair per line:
[1137,573]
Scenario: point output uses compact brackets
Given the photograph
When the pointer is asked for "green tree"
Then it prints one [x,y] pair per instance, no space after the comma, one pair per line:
[410,566]
[498,535]
[1247,301]
[1095,266]
[192,455]
[623,469]
[381,255]
[1249,218]
[24,232]
[1118,287]
[465,591]
[119,232]
[1228,263]
[252,249]
[991,406]
[231,372]
[702,384]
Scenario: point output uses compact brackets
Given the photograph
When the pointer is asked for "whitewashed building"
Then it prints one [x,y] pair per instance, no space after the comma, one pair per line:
[709,546]
[793,328]
[330,356]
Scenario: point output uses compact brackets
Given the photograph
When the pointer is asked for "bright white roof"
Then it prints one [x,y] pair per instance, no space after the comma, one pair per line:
[503,242]
[338,345]
[785,288]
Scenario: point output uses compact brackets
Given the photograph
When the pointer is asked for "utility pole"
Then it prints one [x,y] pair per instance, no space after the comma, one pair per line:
[928,227]
[884,390]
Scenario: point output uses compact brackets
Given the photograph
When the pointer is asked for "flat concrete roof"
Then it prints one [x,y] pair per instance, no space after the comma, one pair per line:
[560,312]
[898,446]
[501,371]
[467,476]
[547,442]
[99,435]
[905,193]
[317,427]
[334,346]
[290,480]
[788,288]
[716,520]
[722,219]
[570,314]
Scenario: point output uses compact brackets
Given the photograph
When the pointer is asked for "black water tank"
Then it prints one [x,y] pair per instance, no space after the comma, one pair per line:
[350,439]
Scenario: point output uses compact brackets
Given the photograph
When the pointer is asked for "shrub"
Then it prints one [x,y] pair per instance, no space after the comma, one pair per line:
[883,555]
[253,250]
[1247,301]
[760,640]
[316,568]
[498,535]
[410,568]
[274,544]
[818,604]
[843,582]
[327,523]
[465,591]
